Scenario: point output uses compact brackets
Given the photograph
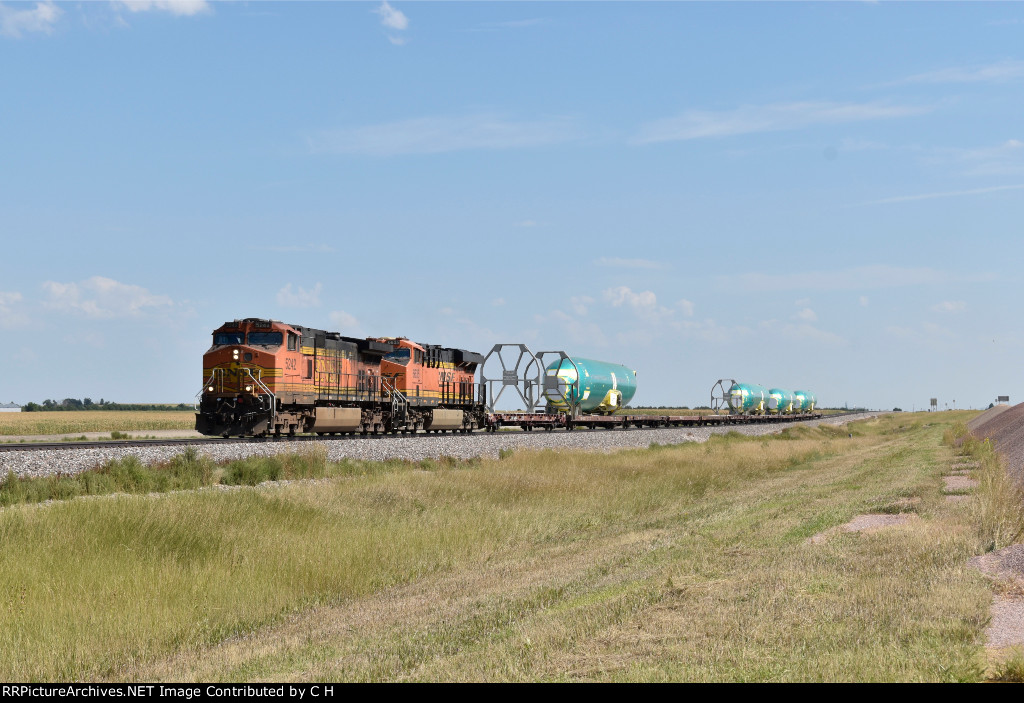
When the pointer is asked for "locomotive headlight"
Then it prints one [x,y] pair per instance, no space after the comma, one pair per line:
[234,353]
[210,388]
[248,389]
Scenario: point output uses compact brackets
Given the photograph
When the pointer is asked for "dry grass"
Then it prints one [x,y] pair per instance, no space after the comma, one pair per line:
[1001,499]
[674,563]
[71,422]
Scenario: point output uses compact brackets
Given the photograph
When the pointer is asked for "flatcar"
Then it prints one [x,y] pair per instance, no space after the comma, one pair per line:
[265,377]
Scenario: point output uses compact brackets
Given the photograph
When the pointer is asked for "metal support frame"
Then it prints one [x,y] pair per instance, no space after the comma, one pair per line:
[555,387]
[527,375]
[722,399]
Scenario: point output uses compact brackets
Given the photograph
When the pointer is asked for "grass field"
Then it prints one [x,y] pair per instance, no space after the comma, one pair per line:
[69,422]
[689,562]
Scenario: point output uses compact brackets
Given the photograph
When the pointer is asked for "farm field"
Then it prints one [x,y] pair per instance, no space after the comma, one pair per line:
[68,422]
[687,562]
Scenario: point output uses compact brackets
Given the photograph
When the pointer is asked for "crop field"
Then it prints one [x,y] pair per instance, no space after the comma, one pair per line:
[68,422]
[686,562]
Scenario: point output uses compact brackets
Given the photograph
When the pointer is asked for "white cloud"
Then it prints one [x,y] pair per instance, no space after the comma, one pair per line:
[862,277]
[436,135]
[999,72]
[949,306]
[947,194]
[685,306]
[299,298]
[397,41]
[750,119]
[580,304]
[343,322]
[629,263]
[41,18]
[392,18]
[9,315]
[104,298]
[863,301]
[497,302]
[175,7]
[807,315]
[621,295]
[577,331]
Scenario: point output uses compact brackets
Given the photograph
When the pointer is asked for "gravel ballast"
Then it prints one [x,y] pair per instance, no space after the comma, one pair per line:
[69,461]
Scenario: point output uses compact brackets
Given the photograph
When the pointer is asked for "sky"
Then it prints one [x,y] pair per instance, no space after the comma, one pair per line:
[810,195]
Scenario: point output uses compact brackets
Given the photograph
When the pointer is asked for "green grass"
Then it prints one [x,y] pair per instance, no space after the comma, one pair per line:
[672,563]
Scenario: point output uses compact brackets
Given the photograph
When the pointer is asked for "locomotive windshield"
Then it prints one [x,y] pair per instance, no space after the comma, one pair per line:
[229,338]
[268,339]
[399,356]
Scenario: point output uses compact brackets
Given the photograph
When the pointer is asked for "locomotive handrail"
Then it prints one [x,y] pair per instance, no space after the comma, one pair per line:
[215,372]
[399,403]
[258,381]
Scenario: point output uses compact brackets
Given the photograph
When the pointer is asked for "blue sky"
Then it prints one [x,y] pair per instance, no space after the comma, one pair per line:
[810,195]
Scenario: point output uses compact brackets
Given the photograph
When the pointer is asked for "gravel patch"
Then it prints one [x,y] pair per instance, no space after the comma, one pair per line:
[1006,628]
[959,483]
[866,523]
[70,461]
[957,498]
[1007,625]
[1007,563]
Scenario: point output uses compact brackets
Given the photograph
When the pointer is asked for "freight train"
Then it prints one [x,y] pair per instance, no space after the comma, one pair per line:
[264,377]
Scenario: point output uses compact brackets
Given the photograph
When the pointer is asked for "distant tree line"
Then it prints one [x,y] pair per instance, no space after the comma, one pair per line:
[88,404]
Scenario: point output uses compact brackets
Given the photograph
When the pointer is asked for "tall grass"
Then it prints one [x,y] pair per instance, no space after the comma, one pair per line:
[1001,499]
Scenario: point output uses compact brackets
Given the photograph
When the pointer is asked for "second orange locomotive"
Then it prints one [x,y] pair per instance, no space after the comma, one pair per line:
[266,377]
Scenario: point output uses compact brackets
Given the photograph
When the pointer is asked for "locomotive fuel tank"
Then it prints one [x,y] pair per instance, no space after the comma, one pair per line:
[780,402]
[808,401]
[596,386]
[748,399]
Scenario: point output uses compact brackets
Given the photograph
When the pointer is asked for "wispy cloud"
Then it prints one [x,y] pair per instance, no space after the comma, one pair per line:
[41,18]
[1005,158]
[175,7]
[10,316]
[103,298]
[394,20]
[629,263]
[999,72]
[945,194]
[344,322]
[435,135]
[390,17]
[300,297]
[949,306]
[750,119]
[860,277]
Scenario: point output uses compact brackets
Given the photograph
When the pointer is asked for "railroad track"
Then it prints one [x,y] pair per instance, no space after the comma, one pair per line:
[583,425]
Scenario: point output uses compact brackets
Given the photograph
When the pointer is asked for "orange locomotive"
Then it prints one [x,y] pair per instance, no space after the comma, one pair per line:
[266,377]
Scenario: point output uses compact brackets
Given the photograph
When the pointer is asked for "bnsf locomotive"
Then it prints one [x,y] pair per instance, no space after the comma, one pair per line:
[265,377]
